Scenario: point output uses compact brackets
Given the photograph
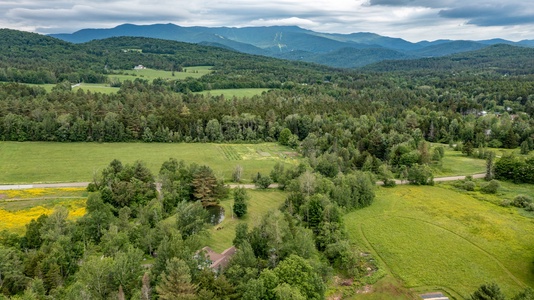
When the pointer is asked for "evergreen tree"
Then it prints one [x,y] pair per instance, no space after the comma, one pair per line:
[176,282]
[240,201]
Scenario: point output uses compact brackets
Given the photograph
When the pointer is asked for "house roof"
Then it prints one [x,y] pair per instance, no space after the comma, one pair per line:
[219,260]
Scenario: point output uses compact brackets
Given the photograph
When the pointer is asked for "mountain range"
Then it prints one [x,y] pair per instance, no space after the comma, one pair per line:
[295,43]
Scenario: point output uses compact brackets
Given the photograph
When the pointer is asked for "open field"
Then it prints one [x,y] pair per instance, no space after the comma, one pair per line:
[259,204]
[32,162]
[456,163]
[238,93]
[96,88]
[433,238]
[151,74]
[19,207]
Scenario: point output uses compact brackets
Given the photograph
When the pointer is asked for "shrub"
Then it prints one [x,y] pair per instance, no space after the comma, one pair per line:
[469,186]
[420,175]
[491,187]
[264,182]
[389,182]
[522,201]
[506,202]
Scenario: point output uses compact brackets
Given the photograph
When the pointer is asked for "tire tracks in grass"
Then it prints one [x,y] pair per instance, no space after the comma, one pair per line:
[449,290]
[487,253]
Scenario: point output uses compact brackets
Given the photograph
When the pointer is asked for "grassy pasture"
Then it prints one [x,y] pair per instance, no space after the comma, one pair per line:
[456,163]
[259,204]
[151,74]
[32,162]
[96,88]
[238,93]
[433,238]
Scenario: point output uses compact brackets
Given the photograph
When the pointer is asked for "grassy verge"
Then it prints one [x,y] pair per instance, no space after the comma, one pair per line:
[32,162]
[433,238]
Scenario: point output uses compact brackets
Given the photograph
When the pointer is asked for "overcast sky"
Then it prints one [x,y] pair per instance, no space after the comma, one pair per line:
[413,20]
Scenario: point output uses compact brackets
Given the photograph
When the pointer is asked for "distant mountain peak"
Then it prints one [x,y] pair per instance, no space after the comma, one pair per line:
[325,48]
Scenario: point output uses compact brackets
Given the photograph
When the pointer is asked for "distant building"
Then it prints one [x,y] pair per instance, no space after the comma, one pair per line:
[139,67]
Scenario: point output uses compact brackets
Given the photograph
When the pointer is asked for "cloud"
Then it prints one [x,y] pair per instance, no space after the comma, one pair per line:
[409,19]
[492,14]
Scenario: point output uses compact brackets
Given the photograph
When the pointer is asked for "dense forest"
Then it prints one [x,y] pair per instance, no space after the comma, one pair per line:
[353,126]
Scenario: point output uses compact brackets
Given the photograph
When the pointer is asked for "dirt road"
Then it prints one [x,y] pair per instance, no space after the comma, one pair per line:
[247,186]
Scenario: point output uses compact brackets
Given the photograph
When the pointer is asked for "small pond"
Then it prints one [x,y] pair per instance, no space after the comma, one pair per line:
[216,214]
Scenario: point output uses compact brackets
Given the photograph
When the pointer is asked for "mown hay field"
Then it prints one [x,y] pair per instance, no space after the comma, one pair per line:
[32,162]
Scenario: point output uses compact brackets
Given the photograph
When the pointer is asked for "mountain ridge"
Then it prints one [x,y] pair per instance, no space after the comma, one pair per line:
[307,45]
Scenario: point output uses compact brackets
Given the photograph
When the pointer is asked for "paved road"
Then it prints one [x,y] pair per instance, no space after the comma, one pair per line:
[247,186]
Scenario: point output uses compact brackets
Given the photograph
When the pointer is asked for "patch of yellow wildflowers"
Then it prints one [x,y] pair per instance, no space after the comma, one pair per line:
[42,192]
[16,221]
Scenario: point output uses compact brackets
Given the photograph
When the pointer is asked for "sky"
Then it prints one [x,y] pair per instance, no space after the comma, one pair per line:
[412,20]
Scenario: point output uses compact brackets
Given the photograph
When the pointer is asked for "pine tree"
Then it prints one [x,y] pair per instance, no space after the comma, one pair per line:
[176,282]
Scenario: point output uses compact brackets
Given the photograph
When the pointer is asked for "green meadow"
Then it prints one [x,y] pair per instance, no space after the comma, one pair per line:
[432,238]
[456,163]
[96,88]
[260,203]
[151,74]
[238,93]
[32,162]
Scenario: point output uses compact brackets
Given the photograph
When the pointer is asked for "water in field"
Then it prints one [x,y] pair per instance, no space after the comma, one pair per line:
[216,213]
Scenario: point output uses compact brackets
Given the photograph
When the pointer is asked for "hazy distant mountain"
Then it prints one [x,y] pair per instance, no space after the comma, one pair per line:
[500,58]
[295,43]
[446,48]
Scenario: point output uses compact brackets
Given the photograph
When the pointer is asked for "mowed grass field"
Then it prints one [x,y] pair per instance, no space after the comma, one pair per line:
[238,93]
[151,74]
[433,238]
[456,163]
[33,162]
[261,202]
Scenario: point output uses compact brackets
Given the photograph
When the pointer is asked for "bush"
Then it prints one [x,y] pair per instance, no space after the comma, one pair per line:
[263,182]
[389,182]
[522,201]
[491,187]
[420,175]
[506,202]
[469,186]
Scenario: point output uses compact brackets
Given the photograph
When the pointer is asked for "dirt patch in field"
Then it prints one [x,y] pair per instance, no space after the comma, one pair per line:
[3,196]
[264,154]
[365,290]
[290,154]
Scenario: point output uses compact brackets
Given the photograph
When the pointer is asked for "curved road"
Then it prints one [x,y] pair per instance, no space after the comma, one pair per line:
[247,186]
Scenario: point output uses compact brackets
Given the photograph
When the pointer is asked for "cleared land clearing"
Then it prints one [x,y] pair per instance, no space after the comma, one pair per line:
[457,163]
[260,203]
[19,207]
[96,88]
[433,238]
[151,74]
[33,162]
[238,93]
